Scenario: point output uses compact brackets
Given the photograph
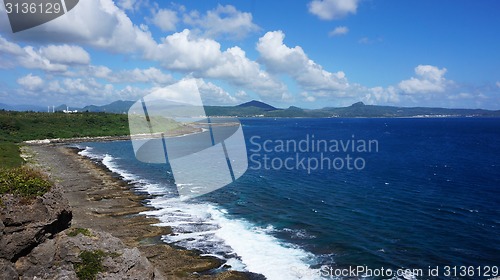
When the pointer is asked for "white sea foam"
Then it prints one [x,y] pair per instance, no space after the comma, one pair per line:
[87,152]
[298,233]
[260,251]
[210,229]
[110,163]
[140,184]
[150,188]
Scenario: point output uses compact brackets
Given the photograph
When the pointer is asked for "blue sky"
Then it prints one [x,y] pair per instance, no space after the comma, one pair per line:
[311,54]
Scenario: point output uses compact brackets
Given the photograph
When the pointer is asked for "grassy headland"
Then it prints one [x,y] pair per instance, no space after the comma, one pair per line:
[16,127]
[21,126]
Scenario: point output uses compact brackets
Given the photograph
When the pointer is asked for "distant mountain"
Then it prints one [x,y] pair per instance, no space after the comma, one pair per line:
[33,108]
[118,107]
[258,104]
[63,107]
[356,110]
[260,109]
[290,112]
[361,110]
[248,109]
[5,107]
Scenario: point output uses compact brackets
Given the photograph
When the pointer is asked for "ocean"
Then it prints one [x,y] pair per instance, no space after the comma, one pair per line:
[341,198]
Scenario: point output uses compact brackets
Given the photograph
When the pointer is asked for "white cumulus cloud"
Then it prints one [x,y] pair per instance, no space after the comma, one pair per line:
[132,5]
[136,75]
[333,9]
[183,52]
[165,19]
[234,66]
[212,94]
[13,55]
[279,58]
[151,74]
[111,30]
[307,97]
[66,54]
[30,82]
[97,23]
[223,21]
[380,95]
[186,52]
[430,79]
[99,71]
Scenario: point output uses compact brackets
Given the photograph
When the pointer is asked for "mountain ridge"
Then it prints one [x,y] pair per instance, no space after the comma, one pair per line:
[258,104]
[256,108]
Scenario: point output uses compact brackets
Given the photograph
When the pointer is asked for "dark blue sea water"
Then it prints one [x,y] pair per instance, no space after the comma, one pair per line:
[425,193]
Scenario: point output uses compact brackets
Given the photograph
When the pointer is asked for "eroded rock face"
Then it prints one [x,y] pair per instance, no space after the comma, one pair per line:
[26,223]
[34,243]
[7,270]
[59,258]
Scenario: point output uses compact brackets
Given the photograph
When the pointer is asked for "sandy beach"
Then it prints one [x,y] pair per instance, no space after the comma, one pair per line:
[100,200]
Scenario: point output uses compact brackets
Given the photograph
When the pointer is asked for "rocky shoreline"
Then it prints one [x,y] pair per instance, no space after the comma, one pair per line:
[109,209]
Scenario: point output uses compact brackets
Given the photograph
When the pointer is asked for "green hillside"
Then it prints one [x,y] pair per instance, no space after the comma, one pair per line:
[22,126]
[16,127]
[357,110]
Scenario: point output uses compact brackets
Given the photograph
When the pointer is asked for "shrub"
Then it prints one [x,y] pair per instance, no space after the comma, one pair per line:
[75,231]
[91,264]
[23,181]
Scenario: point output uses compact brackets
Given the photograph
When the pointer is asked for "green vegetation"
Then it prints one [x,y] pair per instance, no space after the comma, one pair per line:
[234,111]
[16,127]
[253,109]
[23,181]
[159,124]
[91,264]
[21,126]
[9,155]
[75,231]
